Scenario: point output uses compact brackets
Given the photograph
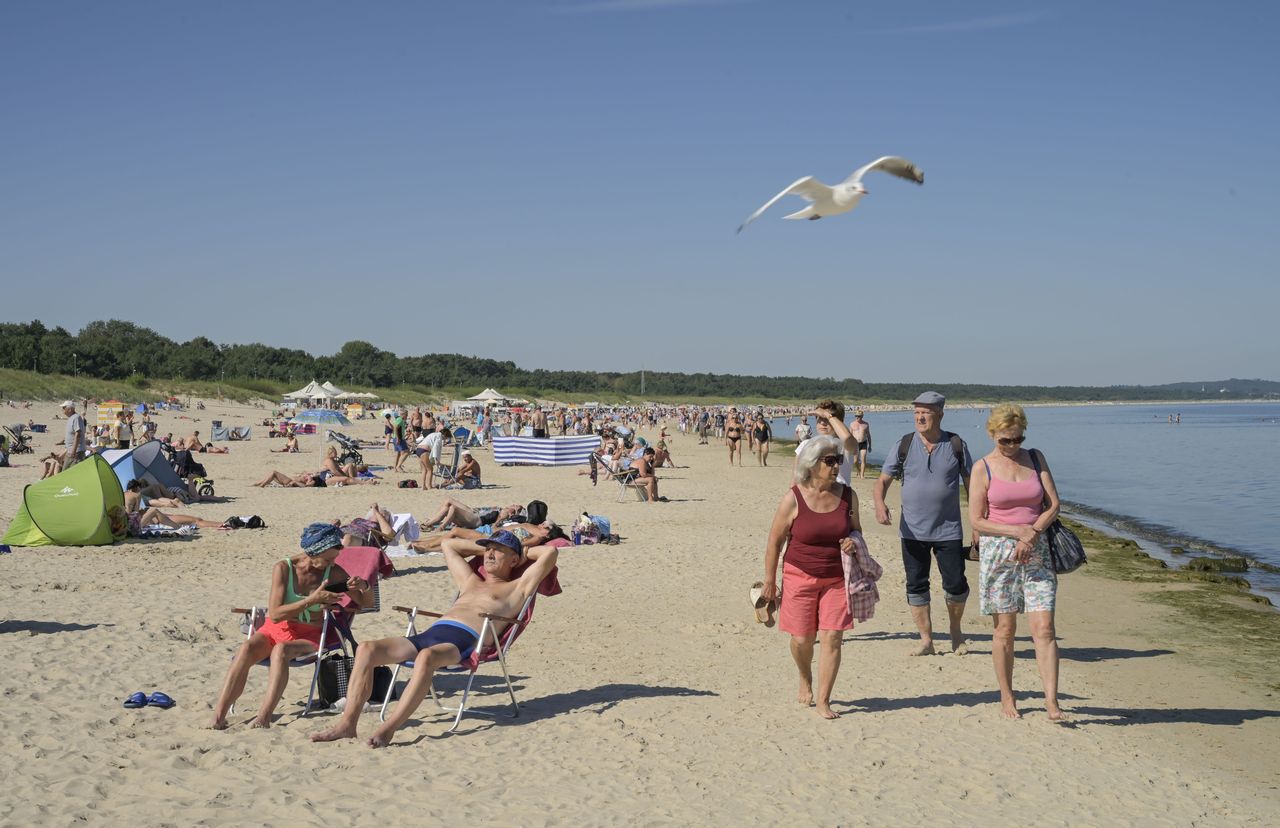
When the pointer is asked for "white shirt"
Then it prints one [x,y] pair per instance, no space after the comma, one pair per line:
[432,443]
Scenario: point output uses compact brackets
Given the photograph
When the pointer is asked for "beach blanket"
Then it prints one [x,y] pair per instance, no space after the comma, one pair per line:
[156,530]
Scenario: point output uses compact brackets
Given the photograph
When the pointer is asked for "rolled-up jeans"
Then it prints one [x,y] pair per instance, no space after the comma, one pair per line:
[951,559]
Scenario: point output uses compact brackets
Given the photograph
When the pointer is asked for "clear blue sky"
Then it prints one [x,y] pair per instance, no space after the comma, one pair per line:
[558,182]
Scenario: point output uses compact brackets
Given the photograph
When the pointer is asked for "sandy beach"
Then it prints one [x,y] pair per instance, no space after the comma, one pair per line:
[649,693]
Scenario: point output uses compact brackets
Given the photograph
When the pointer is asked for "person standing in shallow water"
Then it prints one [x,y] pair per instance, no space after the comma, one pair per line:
[1011,504]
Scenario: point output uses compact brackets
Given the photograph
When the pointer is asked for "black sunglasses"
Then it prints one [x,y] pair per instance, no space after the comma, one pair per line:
[833,459]
[1011,441]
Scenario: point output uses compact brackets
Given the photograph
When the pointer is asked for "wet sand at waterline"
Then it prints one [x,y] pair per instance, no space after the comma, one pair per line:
[650,694]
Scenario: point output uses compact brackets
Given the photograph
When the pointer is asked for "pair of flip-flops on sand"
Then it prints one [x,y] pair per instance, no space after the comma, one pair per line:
[156,699]
[764,609]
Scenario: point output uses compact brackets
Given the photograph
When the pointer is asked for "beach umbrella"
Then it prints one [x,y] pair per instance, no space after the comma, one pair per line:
[321,415]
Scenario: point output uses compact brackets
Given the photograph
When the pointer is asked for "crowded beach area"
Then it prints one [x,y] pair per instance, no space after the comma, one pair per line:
[655,683]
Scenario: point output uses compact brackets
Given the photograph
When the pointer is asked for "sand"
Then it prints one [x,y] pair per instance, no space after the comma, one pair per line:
[650,693]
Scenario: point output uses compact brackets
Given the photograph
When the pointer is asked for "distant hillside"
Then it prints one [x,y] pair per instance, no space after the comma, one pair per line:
[1228,388]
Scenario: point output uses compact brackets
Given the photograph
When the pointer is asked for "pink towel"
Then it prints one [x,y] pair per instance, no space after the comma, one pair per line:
[363,562]
[860,575]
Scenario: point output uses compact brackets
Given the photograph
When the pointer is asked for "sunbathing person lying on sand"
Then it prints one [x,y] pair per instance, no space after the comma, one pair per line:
[139,497]
[452,638]
[460,514]
[305,480]
[139,518]
[294,612]
[210,448]
[529,534]
[374,529]
[313,480]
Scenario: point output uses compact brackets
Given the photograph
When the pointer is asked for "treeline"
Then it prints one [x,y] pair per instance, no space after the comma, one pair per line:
[116,350]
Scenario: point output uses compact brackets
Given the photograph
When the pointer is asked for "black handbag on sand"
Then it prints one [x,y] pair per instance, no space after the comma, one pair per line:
[1065,549]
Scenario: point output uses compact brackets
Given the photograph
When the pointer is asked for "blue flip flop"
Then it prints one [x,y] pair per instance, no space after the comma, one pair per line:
[158,699]
[138,699]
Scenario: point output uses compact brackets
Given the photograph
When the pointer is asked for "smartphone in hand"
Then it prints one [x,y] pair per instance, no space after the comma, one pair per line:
[340,586]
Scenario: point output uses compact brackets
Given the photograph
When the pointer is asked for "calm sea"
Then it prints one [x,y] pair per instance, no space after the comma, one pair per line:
[1209,484]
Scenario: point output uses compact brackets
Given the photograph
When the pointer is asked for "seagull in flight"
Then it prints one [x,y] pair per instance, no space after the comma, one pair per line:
[843,197]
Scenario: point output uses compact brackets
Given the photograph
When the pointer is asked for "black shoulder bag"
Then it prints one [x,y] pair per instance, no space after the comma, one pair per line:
[1065,549]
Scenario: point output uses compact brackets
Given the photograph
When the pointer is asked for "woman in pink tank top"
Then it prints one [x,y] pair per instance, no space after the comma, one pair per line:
[1012,500]
[813,520]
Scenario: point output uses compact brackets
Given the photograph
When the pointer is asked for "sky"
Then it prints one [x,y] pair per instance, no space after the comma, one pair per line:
[558,182]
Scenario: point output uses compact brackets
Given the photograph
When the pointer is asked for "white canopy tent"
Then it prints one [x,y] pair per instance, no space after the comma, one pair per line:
[312,390]
[333,390]
[488,395]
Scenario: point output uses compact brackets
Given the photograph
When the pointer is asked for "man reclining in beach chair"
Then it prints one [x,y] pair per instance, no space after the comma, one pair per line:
[484,603]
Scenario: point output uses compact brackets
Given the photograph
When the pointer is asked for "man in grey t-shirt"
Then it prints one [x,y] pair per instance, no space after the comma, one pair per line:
[930,522]
[74,439]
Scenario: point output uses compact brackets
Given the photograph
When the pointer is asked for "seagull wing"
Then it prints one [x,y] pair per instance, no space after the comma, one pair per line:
[891,164]
[808,188]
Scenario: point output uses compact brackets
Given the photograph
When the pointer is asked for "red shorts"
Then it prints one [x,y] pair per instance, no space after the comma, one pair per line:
[282,631]
[810,604]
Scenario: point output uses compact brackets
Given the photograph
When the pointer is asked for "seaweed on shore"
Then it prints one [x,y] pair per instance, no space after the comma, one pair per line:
[1220,621]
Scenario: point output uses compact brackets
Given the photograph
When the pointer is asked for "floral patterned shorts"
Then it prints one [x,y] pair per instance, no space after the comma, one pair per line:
[1008,586]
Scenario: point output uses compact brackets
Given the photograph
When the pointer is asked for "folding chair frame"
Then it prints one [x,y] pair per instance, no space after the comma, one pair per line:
[487,630]
[449,473]
[312,660]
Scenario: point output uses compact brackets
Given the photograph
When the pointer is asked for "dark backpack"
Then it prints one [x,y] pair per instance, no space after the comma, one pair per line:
[957,446]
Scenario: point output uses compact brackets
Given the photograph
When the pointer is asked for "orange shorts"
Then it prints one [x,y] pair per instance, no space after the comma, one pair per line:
[810,604]
[282,631]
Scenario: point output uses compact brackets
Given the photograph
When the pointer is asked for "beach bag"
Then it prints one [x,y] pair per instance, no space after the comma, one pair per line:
[335,675]
[245,522]
[408,484]
[1065,549]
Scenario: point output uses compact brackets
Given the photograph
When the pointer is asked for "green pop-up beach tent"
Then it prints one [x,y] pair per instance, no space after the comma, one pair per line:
[69,509]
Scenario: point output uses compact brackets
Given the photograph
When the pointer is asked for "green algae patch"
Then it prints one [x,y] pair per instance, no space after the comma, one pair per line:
[1215,620]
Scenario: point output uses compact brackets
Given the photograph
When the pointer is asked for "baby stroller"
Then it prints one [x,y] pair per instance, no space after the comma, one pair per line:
[188,469]
[18,439]
[350,448]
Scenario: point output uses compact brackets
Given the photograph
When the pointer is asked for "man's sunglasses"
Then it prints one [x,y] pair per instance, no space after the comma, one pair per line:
[1011,441]
[833,460]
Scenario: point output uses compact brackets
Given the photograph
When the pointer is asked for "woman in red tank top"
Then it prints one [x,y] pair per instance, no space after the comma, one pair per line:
[813,521]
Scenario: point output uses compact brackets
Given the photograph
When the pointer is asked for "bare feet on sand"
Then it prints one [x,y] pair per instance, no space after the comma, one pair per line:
[1009,710]
[338,731]
[1057,716]
[825,711]
[261,722]
[218,724]
[380,738]
[805,696]
[960,647]
[925,648]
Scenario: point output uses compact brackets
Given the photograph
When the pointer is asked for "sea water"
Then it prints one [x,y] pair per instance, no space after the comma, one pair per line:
[1210,483]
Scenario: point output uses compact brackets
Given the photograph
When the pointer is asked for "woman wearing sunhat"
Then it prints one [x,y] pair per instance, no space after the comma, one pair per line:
[814,521]
[294,612]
